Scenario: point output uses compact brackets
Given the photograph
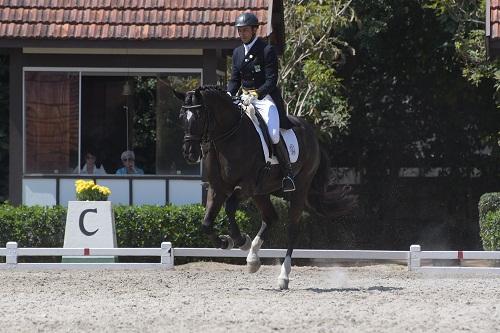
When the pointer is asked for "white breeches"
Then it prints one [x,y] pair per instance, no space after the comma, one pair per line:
[269,113]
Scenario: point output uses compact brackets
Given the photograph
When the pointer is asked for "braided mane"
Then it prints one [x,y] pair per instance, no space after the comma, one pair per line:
[211,91]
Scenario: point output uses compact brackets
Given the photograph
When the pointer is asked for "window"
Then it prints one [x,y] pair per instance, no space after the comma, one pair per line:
[104,114]
[51,133]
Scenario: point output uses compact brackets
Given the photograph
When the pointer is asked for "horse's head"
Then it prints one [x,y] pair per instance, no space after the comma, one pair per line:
[194,118]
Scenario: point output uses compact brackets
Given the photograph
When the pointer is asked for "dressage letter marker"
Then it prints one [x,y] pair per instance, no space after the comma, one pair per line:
[89,224]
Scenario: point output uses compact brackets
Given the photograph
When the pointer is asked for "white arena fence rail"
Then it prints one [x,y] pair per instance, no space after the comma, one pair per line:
[167,254]
[416,256]
[12,253]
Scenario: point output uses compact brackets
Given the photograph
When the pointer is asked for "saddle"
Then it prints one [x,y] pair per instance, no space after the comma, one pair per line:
[287,135]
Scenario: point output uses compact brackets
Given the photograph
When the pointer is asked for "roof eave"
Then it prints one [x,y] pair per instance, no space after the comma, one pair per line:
[121,43]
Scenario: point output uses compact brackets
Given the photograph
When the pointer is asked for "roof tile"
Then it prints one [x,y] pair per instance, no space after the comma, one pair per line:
[137,19]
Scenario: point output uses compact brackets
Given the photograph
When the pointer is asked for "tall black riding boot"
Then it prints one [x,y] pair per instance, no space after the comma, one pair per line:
[286,167]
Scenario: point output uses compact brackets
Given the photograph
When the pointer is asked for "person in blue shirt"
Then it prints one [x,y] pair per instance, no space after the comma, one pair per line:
[129,168]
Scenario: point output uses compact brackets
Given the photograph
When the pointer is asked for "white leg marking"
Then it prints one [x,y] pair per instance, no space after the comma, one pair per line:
[284,277]
[253,260]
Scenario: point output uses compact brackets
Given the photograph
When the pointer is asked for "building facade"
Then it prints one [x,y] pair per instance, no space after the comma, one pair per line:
[97,77]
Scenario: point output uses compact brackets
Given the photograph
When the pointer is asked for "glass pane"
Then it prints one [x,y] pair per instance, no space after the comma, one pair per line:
[137,113]
[104,122]
[169,131]
[51,113]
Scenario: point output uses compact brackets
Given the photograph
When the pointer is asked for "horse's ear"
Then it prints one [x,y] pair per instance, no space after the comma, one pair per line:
[180,95]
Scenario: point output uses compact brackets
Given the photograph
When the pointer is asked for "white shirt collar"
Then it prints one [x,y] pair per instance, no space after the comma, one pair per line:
[249,46]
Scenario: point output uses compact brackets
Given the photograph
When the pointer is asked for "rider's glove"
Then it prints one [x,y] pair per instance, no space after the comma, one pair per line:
[249,98]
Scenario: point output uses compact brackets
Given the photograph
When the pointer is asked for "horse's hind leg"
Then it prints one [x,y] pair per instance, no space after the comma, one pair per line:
[297,203]
[241,241]
[263,203]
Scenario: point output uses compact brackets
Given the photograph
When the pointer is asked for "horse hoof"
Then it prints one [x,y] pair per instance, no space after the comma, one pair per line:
[253,266]
[227,242]
[283,284]
[248,243]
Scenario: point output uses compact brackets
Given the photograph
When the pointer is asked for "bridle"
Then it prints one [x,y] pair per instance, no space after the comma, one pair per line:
[193,137]
[208,128]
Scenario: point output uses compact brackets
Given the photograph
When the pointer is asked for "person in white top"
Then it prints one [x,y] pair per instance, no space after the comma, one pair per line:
[90,168]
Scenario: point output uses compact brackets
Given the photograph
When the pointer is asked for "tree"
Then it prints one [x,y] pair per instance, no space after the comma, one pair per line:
[313,54]
[411,104]
[465,19]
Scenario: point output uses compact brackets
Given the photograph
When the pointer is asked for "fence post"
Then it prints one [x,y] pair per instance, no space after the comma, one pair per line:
[167,254]
[11,257]
[414,258]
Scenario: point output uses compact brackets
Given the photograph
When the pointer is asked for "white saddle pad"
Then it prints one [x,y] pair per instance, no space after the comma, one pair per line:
[292,144]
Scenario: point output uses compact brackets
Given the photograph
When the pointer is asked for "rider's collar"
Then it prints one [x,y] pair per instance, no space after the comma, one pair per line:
[249,45]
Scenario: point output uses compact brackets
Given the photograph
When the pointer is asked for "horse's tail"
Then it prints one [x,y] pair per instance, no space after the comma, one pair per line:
[327,202]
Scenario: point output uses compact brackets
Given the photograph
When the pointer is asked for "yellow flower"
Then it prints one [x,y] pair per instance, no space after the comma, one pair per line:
[88,190]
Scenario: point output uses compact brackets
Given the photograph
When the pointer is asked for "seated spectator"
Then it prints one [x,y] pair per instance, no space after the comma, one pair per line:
[90,167]
[129,168]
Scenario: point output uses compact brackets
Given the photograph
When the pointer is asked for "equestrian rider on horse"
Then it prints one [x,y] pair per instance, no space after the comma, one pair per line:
[255,70]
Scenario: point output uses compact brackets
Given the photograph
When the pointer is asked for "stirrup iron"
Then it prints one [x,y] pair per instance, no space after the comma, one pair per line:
[288,184]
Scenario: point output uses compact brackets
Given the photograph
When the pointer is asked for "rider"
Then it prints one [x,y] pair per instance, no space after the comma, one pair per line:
[255,68]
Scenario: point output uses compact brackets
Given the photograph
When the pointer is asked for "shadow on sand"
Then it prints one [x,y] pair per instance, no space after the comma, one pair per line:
[342,290]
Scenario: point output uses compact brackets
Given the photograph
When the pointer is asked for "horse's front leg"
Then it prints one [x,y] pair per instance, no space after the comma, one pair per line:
[269,215]
[242,241]
[214,204]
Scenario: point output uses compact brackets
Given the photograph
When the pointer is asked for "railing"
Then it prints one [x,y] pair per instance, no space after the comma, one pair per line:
[48,190]
[12,253]
[417,255]
[167,254]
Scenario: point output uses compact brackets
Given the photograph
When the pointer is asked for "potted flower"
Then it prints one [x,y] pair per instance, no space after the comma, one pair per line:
[87,190]
[90,222]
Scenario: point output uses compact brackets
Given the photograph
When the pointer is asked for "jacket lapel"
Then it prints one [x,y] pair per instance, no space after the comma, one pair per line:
[251,55]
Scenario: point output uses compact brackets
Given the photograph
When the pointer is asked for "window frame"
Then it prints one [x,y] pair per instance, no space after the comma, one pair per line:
[127,71]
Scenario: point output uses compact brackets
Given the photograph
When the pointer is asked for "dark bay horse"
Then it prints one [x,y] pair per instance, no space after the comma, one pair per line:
[218,131]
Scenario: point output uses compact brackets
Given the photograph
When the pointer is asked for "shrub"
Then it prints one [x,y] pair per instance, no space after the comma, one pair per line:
[489,221]
[136,226]
[148,226]
[32,226]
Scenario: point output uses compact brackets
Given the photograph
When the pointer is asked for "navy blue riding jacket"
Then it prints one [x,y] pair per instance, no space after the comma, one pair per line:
[258,70]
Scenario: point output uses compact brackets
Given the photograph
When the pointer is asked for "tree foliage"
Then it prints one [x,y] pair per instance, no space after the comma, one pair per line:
[412,107]
[404,96]
[313,54]
[465,20]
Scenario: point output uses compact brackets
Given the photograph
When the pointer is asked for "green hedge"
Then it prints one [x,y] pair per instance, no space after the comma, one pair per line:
[137,226]
[32,226]
[489,221]
[148,226]
[140,226]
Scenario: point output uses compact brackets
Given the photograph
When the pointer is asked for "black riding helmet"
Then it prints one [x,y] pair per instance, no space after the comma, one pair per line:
[247,19]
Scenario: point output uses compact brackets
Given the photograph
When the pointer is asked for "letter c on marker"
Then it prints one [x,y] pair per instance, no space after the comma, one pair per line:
[82,227]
